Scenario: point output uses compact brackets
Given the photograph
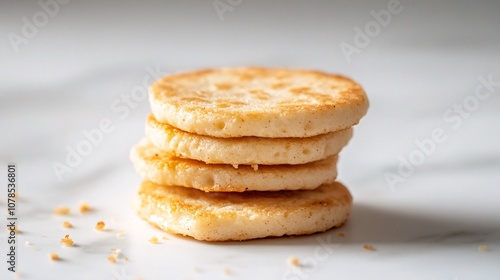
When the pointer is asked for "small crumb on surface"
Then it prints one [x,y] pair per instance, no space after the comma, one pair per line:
[67,224]
[255,167]
[293,261]
[112,258]
[227,271]
[341,234]
[483,248]
[164,238]
[61,211]
[100,225]
[126,259]
[16,229]
[84,207]
[54,257]
[67,241]
[116,252]
[120,233]
[153,240]
[368,247]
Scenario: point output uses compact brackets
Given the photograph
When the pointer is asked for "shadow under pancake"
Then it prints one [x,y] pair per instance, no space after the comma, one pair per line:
[373,225]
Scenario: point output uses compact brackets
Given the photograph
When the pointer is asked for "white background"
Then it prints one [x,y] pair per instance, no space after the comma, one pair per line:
[89,55]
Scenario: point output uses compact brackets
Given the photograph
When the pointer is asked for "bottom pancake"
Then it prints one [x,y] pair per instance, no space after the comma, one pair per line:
[243,216]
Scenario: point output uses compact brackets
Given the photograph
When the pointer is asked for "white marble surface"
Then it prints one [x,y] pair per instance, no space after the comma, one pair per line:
[73,70]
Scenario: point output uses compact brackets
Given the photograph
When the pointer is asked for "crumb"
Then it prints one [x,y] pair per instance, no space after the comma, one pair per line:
[84,207]
[164,238]
[61,211]
[483,248]
[293,261]
[235,166]
[112,258]
[67,224]
[227,271]
[67,241]
[54,257]
[341,234]
[16,229]
[153,240]
[100,225]
[197,269]
[116,252]
[120,233]
[126,259]
[255,167]
[368,247]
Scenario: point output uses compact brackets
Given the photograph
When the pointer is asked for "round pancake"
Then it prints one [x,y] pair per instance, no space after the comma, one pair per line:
[243,216]
[253,101]
[245,150]
[165,169]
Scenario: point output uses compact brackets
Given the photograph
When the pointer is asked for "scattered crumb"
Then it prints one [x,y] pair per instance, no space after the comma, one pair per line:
[120,233]
[61,211]
[369,247]
[153,240]
[483,248]
[67,224]
[16,229]
[112,258]
[197,269]
[126,259]
[235,166]
[54,257]
[67,241]
[255,167]
[116,252]
[293,261]
[164,238]
[227,271]
[341,234]
[100,225]
[84,207]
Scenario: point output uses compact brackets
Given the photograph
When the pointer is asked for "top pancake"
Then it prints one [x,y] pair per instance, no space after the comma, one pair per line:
[263,102]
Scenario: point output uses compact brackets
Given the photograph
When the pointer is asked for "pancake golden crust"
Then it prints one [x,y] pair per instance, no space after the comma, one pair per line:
[253,101]
[243,216]
[245,150]
[165,169]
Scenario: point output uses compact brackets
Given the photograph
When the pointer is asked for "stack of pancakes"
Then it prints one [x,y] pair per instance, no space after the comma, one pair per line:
[244,153]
